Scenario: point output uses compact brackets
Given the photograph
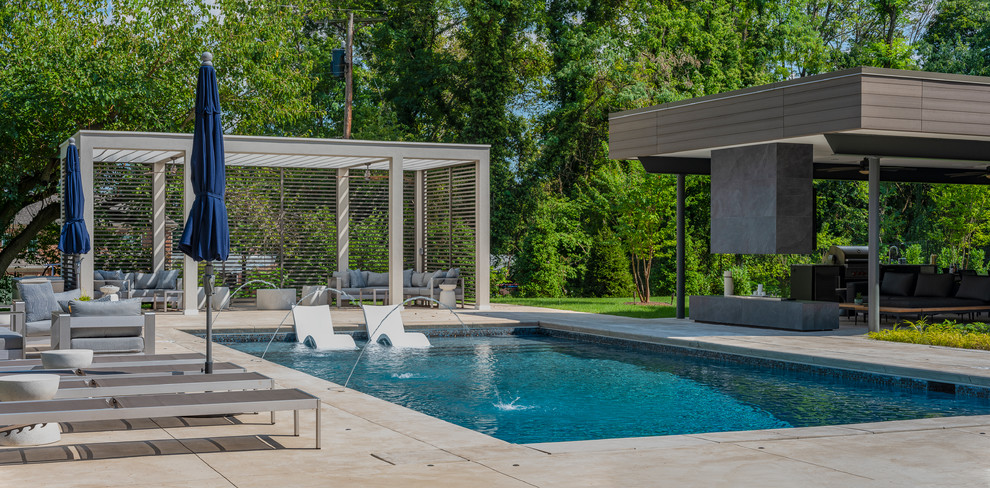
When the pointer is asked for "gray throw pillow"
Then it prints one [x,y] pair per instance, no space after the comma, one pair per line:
[934,285]
[437,278]
[166,279]
[897,284]
[452,276]
[419,279]
[113,275]
[357,278]
[98,275]
[103,309]
[407,278]
[377,279]
[345,279]
[39,301]
[977,287]
[63,298]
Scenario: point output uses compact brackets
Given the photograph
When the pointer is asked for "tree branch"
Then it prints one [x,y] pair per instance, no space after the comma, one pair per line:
[45,216]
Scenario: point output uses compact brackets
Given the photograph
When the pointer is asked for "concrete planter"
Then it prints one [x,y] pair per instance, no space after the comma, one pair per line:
[277,299]
[67,358]
[317,298]
[221,297]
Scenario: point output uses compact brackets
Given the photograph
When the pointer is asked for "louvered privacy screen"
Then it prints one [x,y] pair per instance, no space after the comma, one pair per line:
[283,226]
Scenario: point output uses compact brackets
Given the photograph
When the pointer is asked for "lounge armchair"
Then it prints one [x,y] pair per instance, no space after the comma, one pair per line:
[32,314]
[385,325]
[17,414]
[314,327]
[105,327]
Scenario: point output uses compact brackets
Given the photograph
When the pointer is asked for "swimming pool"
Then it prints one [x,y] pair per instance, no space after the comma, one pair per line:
[536,388]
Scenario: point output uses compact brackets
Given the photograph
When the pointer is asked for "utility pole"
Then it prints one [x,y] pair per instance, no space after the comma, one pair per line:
[348,75]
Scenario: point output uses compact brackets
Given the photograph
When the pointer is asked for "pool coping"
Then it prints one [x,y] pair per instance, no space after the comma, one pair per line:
[688,440]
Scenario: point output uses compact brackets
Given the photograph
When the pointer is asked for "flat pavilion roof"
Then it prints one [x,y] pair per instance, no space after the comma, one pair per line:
[289,152]
[929,127]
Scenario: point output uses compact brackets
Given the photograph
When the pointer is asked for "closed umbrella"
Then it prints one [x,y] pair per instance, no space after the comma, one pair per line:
[74,239]
[206,236]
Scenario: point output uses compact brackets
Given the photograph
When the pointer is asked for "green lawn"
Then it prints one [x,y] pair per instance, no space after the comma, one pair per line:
[609,306]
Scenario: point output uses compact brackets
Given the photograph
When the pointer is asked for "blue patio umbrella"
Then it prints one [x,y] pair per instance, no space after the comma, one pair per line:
[206,236]
[74,238]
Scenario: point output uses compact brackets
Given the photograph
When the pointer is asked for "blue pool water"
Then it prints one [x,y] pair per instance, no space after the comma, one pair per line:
[535,388]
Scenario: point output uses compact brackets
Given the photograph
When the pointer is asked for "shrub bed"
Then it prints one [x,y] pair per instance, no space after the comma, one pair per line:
[947,333]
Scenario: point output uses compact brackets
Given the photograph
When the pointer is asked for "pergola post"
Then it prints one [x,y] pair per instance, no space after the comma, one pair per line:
[395,178]
[873,278]
[343,218]
[158,216]
[85,277]
[482,240]
[419,220]
[680,246]
[190,270]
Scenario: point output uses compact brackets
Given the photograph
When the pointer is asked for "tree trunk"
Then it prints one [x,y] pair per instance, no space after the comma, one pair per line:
[20,241]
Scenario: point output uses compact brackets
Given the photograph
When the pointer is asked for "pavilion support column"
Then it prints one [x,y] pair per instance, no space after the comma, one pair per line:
[190,269]
[419,220]
[395,209]
[873,278]
[343,218]
[680,246]
[158,216]
[85,277]
[482,234]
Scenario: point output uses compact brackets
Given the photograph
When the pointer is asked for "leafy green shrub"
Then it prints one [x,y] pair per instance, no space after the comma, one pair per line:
[741,282]
[6,289]
[608,272]
[913,254]
[947,333]
[977,261]
[497,276]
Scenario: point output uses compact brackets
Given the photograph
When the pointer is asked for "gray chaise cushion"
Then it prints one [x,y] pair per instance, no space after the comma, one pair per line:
[166,280]
[377,279]
[39,301]
[109,344]
[119,308]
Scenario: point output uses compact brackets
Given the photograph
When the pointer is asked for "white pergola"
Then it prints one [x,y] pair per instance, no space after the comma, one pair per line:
[159,149]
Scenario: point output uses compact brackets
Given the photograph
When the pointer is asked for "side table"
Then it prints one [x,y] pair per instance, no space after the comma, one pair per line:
[447,296]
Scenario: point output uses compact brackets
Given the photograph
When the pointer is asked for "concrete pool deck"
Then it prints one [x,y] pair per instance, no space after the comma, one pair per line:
[369,442]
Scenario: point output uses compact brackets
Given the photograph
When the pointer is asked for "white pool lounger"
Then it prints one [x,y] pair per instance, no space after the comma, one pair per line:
[314,326]
[385,326]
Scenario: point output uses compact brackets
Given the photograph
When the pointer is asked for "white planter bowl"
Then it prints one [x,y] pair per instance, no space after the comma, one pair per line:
[27,387]
[67,358]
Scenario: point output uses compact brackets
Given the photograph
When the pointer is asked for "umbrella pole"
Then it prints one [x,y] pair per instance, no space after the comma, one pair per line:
[208,289]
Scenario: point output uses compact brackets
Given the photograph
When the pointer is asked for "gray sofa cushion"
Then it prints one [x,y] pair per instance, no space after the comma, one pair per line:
[39,301]
[897,284]
[109,344]
[977,287]
[102,309]
[39,328]
[144,281]
[166,280]
[143,293]
[94,332]
[407,278]
[377,279]
[357,278]
[934,285]
[10,339]
[345,279]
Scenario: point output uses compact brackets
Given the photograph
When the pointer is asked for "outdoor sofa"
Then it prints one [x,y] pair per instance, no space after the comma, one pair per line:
[363,285]
[927,293]
[149,287]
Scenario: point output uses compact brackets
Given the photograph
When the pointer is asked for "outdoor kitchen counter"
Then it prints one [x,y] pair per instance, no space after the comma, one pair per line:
[774,313]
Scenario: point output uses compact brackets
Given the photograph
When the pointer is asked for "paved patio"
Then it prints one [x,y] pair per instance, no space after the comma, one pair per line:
[369,442]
